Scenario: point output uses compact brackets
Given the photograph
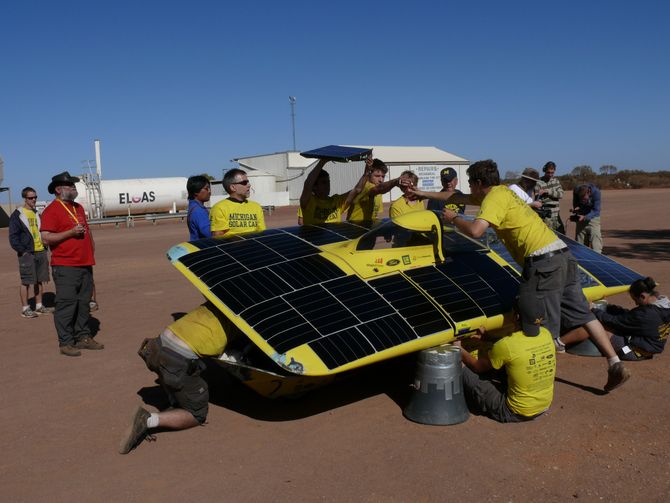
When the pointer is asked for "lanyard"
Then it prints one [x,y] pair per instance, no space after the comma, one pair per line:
[73,215]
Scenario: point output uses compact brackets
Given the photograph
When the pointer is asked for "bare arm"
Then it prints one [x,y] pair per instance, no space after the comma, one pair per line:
[309,183]
[474,229]
[384,187]
[450,196]
[356,190]
[54,238]
[478,365]
[218,233]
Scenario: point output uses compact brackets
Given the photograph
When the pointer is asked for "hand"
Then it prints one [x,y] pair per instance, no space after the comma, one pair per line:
[79,230]
[449,215]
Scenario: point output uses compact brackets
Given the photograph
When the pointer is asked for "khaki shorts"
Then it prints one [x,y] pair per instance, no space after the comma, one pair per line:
[34,268]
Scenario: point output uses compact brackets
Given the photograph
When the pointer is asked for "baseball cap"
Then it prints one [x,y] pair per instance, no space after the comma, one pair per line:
[531,314]
[448,174]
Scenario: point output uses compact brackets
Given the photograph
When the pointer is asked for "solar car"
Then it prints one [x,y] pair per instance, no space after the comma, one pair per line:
[315,301]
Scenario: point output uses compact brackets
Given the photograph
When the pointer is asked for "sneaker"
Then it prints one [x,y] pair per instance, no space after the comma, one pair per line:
[617,374]
[88,343]
[28,313]
[69,350]
[135,432]
[93,306]
[45,310]
[560,347]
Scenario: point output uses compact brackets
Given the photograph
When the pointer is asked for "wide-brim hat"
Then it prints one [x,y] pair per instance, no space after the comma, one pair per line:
[531,174]
[63,178]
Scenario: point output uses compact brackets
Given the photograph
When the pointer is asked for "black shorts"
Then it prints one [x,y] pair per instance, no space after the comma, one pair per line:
[181,379]
[34,268]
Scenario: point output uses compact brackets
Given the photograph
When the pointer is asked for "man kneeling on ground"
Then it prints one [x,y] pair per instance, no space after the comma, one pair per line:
[526,389]
[176,356]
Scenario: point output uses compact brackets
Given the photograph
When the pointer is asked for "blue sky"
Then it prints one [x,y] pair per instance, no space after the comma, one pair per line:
[179,88]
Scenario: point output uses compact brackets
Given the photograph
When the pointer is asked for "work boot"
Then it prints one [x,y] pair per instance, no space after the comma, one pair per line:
[69,350]
[617,374]
[136,431]
[88,343]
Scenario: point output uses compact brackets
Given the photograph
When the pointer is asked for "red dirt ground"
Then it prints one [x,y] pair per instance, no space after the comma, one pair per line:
[62,417]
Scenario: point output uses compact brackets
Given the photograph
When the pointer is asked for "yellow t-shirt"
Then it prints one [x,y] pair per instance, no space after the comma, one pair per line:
[34,228]
[203,331]
[364,206]
[530,364]
[321,211]
[401,206]
[237,217]
[520,229]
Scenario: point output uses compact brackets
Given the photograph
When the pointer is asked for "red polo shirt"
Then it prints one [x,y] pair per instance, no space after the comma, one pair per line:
[61,216]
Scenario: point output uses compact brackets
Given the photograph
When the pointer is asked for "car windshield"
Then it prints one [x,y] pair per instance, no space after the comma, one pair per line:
[391,235]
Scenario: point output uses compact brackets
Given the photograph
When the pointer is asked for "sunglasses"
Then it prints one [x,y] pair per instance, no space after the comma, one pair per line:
[31,198]
[243,182]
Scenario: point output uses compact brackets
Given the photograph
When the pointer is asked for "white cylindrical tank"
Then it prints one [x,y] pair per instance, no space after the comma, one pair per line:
[137,196]
[261,183]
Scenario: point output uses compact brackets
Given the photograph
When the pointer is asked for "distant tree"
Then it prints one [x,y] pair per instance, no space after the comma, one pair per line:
[511,175]
[608,169]
[584,172]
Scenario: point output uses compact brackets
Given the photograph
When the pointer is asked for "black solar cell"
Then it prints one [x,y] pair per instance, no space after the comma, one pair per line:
[420,312]
[307,271]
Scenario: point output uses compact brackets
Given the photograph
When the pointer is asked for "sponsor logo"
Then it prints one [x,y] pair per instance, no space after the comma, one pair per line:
[146,197]
[379,261]
[406,260]
[393,261]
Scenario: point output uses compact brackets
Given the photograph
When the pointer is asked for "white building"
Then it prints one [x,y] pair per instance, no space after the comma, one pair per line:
[287,172]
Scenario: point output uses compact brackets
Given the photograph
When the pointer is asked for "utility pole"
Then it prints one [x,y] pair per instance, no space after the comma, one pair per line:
[292,100]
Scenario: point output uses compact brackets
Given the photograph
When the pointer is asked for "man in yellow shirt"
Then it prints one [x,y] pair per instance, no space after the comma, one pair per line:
[408,201]
[368,204]
[176,356]
[317,206]
[550,288]
[530,367]
[237,214]
[25,239]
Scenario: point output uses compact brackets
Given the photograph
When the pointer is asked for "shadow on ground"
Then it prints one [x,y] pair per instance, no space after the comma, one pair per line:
[652,245]
[390,378]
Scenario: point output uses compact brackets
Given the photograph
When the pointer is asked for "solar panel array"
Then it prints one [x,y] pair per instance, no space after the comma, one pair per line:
[291,295]
[601,267]
[605,270]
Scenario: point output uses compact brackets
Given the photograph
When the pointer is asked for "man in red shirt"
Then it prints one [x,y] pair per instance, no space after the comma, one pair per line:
[65,230]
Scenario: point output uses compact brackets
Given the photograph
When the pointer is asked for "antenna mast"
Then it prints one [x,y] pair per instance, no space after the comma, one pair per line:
[292,100]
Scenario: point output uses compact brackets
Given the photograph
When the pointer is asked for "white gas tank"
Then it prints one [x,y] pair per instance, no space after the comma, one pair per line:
[137,196]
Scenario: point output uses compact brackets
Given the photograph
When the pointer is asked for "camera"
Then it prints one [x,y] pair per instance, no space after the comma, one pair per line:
[543,212]
[574,218]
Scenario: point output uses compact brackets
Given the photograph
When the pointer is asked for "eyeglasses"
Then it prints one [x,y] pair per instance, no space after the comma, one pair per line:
[243,182]
[30,198]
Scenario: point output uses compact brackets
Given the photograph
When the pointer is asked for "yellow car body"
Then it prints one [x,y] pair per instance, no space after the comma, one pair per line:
[322,300]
